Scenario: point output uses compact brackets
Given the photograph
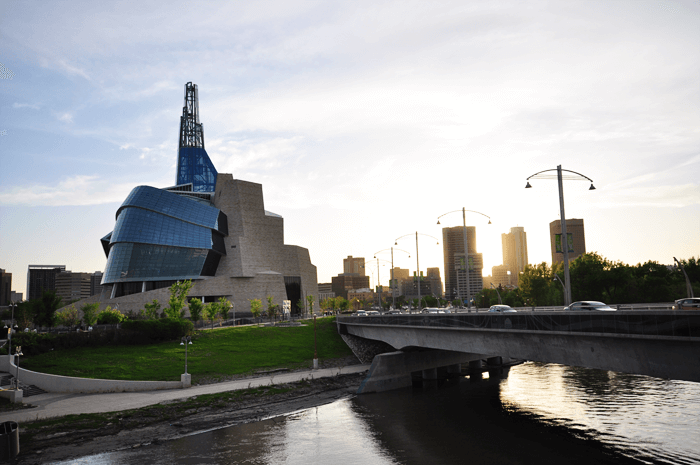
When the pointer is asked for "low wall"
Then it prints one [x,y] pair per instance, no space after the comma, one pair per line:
[55,383]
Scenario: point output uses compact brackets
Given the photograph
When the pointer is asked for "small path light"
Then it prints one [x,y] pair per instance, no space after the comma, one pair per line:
[18,352]
[315,351]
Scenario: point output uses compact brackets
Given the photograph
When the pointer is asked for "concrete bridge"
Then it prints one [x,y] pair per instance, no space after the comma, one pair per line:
[664,344]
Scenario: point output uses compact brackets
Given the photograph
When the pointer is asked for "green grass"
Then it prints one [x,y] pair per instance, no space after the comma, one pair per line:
[213,354]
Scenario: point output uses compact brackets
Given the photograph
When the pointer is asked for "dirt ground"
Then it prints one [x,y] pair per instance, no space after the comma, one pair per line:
[69,438]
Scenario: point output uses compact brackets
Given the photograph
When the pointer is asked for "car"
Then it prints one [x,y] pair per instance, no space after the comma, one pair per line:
[372,312]
[393,312]
[501,309]
[589,305]
[691,303]
[360,313]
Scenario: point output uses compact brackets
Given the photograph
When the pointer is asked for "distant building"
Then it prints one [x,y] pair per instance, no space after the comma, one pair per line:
[42,278]
[500,276]
[410,288]
[354,265]
[576,239]
[16,296]
[325,291]
[96,283]
[5,288]
[515,252]
[343,283]
[455,271]
[435,281]
[72,286]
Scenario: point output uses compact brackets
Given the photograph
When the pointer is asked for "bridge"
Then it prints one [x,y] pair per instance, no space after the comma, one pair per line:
[664,344]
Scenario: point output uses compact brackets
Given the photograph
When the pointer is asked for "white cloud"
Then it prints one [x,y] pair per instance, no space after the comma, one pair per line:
[25,105]
[66,117]
[74,190]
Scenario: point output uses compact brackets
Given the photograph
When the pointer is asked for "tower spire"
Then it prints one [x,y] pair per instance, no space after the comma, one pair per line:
[191,130]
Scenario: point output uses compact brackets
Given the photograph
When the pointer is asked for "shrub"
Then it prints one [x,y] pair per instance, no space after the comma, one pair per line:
[68,316]
[110,317]
[152,310]
[166,329]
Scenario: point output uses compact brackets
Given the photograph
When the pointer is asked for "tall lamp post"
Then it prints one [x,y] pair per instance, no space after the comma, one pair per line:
[466,250]
[688,286]
[417,263]
[565,239]
[391,282]
[500,302]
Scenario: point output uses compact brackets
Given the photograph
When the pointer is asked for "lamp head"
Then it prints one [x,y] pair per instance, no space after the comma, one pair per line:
[438,222]
[592,188]
[396,243]
[527,186]
[489,221]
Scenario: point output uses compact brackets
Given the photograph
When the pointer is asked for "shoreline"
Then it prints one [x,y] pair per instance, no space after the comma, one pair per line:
[74,436]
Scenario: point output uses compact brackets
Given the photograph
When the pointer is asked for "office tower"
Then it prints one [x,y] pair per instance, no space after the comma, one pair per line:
[455,272]
[71,286]
[5,288]
[42,278]
[576,239]
[354,265]
[515,252]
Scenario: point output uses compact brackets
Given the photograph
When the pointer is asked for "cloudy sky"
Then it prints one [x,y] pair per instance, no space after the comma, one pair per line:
[363,121]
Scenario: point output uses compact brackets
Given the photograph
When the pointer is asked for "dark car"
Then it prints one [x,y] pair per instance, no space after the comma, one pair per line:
[501,309]
[589,305]
[691,303]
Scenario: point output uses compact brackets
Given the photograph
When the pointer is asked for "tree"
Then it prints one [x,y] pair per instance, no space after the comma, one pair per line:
[301,307]
[152,309]
[68,317]
[343,304]
[310,299]
[196,307]
[45,308]
[90,313]
[272,308]
[178,297]
[211,311]
[224,307]
[535,284]
[256,308]
[24,314]
[110,316]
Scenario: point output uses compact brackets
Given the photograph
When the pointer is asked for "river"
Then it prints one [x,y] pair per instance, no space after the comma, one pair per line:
[532,413]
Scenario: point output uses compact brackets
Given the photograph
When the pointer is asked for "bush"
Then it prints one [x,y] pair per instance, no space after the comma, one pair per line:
[110,317]
[166,329]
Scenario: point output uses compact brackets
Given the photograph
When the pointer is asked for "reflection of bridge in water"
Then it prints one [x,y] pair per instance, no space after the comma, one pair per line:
[664,344]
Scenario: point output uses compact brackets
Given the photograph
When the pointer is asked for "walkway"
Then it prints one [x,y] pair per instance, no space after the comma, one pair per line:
[56,404]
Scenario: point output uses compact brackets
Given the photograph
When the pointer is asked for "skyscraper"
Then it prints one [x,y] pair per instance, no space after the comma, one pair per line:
[354,265]
[42,278]
[5,287]
[515,251]
[455,272]
[576,239]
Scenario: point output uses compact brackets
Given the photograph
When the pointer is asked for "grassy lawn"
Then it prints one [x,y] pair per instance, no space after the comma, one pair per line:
[214,354]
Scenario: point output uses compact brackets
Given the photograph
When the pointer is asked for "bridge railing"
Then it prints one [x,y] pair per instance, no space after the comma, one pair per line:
[663,323]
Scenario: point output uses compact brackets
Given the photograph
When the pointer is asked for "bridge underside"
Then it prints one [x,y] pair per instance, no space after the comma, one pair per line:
[659,356]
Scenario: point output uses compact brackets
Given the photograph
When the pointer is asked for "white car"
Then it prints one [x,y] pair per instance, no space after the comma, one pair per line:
[589,305]
[360,313]
[501,309]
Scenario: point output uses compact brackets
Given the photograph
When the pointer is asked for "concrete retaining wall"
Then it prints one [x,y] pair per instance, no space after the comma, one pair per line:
[55,383]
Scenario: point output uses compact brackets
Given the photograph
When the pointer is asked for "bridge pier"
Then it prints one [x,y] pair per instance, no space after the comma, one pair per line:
[393,370]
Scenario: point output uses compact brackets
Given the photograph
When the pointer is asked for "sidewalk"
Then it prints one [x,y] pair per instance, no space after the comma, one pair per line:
[60,404]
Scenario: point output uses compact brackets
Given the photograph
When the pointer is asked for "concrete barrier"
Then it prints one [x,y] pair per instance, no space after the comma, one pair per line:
[55,383]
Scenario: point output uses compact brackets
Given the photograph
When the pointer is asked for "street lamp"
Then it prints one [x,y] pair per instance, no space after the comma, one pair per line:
[688,286]
[185,341]
[391,282]
[497,293]
[565,239]
[417,263]
[557,278]
[466,250]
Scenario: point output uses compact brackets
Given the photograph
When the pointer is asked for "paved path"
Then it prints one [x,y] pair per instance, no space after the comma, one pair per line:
[58,404]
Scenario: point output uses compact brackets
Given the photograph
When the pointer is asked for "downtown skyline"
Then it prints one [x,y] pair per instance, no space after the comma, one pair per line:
[363,122]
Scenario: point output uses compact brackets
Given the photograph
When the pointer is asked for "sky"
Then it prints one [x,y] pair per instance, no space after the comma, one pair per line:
[364,121]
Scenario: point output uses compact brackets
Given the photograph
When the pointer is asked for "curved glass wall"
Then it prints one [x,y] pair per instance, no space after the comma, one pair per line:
[160,235]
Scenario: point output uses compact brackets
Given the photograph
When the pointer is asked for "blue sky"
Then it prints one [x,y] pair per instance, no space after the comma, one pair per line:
[364,121]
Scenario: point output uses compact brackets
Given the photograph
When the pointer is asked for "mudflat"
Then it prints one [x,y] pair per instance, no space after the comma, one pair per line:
[75,436]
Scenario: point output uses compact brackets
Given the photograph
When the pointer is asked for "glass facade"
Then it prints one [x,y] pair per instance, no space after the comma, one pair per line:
[194,166]
[160,235]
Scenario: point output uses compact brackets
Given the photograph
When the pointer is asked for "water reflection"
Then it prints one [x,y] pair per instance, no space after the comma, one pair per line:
[533,413]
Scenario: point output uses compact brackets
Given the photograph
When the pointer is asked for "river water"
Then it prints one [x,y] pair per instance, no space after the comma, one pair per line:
[532,413]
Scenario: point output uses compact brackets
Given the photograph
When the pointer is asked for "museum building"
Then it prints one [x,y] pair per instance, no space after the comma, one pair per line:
[209,228]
